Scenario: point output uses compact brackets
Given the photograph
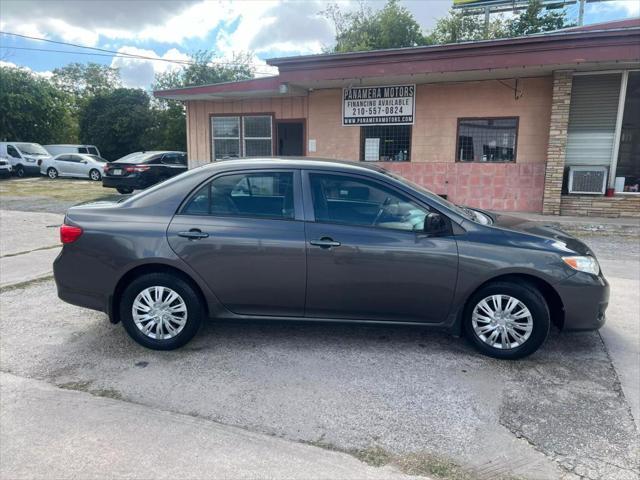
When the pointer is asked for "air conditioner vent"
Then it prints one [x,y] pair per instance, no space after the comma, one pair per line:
[587,180]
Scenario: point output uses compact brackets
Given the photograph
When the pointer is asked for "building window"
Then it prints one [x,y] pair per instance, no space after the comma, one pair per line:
[226,137]
[241,136]
[257,136]
[487,139]
[627,178]
[385,143]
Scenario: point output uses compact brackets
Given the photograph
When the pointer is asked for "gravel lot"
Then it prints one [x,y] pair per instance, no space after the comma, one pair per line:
[383,393]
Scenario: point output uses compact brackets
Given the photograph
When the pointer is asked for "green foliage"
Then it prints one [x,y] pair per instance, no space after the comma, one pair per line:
[85,80]
[458,26]
[33,110]
[391,27]
[117,122]
[536,19]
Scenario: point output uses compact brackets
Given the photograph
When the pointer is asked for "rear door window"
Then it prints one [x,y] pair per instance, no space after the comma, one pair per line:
[92,151]
[255,194]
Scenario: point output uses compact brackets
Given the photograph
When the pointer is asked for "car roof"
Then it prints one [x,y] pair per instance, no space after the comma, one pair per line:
[293,162]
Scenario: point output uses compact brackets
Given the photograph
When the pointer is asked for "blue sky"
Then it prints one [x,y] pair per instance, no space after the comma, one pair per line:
[172,29]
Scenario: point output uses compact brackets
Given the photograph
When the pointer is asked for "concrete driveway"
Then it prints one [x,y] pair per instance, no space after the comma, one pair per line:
[416,401]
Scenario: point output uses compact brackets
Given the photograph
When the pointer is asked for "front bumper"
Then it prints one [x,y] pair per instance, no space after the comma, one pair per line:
[585,299]
[30,168]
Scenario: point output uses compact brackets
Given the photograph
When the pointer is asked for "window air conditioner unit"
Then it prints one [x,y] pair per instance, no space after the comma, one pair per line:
[588,180]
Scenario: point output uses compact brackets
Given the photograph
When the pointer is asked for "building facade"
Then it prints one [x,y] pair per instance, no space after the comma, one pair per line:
[546,123]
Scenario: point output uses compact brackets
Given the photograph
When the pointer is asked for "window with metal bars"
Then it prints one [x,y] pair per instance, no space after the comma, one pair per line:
[487,139]
[385,143]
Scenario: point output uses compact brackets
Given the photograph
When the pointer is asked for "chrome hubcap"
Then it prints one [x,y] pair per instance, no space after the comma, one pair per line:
[502,321]
[95,175]
[159,312]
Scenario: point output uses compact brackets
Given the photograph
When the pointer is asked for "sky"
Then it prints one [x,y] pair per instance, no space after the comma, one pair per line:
[172,29]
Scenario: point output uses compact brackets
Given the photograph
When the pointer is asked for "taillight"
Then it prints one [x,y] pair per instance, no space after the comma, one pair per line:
[105,168]
[137,168]
[69,233]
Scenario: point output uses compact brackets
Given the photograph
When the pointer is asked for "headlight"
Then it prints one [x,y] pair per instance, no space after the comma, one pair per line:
[583,264]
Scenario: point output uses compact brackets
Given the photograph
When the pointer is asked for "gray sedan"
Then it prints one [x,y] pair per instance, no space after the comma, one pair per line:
[317,240]
[74,165]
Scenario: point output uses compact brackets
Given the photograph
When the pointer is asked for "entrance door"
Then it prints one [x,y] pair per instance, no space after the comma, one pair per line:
[290,139]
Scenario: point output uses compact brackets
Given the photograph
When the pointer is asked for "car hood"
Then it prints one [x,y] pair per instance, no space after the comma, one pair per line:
[543,230]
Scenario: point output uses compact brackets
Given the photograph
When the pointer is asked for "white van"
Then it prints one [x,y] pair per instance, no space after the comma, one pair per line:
[25,158]
[68,148]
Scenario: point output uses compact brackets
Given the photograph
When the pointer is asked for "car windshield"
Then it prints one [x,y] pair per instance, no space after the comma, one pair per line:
[465,212]
[31,149]
[96,158]
[137,157]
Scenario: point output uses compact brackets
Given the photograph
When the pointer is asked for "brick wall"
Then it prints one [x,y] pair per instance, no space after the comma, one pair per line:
[600,206]
[556,150]
[492,186]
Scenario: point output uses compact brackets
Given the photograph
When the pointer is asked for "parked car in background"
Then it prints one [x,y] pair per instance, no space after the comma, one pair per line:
[140,170]
[73,165]
[304,239]
[25,158]
[5,167]
[69,148]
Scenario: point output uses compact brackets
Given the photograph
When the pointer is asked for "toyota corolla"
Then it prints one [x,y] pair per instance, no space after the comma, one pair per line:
[318,240]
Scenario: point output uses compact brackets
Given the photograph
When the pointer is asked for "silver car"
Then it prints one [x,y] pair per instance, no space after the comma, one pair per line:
[74,165]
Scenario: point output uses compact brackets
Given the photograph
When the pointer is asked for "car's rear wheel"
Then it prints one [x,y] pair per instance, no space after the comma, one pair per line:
[52,173]
[124,191]
[507,320]
[95,175]
[161,311]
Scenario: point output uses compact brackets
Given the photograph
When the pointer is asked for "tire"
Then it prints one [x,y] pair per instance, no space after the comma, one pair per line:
[20,172]
[532,329]
[52,173]
[124,191]
[95,175]
[193,311]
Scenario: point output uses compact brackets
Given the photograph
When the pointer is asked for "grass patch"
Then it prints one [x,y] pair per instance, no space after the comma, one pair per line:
[59,189]
[86,387]
[418,464]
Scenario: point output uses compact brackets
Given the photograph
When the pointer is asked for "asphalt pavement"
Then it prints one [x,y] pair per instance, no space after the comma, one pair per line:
[416,401]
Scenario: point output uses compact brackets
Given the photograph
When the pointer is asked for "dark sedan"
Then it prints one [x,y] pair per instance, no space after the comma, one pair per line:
[303,239]
[140,170]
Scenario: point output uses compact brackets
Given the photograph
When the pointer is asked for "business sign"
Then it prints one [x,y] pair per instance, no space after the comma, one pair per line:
[386,105]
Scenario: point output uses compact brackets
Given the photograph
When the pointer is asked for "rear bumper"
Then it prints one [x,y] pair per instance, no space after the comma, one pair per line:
[5,170]
[585,299]
[73,294]
[132,181]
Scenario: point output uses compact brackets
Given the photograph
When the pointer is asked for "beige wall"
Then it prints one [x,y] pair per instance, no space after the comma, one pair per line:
[438,106]
[198,113]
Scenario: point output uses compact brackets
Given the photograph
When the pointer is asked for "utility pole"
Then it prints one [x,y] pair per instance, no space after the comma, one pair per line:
[487,15]
[581,12]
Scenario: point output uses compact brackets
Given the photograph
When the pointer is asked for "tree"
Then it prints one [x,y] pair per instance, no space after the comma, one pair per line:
[117,122]
[33,110]
[391,27]
[459,26]
[85,80]
[536,19]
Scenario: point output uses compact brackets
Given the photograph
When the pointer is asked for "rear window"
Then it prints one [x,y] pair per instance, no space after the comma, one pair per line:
[138,157]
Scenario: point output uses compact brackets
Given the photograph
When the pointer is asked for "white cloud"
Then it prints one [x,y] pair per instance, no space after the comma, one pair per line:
[140,73]
[45,74]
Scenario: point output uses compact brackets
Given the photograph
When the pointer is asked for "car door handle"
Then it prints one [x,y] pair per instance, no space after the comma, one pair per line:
[325,242]
[193,234]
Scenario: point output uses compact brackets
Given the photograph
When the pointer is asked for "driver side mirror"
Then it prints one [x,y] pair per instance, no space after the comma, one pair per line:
[435,224]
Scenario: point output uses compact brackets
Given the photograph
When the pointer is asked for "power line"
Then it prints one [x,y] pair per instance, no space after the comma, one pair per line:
[112,53]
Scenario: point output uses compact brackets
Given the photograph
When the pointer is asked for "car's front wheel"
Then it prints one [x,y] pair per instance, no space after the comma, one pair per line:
[507,320]
[52,173]
[20,171]
[95,175]
[161,311]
